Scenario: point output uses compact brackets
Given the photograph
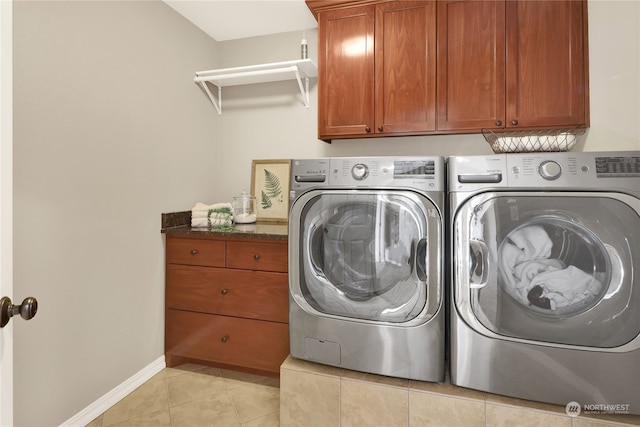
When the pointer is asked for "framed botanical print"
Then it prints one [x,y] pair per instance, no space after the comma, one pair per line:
[270,186]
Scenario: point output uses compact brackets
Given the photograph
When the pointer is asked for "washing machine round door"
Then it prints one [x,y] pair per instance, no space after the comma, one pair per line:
[369,255]
[554,267]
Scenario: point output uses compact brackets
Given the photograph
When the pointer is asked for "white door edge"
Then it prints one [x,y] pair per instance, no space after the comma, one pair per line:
[6,206]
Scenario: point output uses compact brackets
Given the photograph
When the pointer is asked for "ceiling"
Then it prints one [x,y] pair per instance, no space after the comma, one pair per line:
[236,19]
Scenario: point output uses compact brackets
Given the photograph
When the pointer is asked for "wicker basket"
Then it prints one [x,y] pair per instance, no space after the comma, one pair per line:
[532,141]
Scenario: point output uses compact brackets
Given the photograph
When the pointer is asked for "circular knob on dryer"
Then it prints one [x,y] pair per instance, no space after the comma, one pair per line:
[549,170]
[359,172]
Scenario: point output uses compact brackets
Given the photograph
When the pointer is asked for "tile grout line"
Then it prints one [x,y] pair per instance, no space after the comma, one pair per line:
[233,404]
[166,387]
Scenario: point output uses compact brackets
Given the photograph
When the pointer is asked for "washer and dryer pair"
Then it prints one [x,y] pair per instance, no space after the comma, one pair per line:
[543,289]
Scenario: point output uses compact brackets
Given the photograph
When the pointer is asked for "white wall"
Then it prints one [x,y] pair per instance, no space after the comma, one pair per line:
[109,132]
[614,49]
[269,121]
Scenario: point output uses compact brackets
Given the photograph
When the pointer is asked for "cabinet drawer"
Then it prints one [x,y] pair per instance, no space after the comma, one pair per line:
[196,252]
[241,342]
[242,293]
[257,256]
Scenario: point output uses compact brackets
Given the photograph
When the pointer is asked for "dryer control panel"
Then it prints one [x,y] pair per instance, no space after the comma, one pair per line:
[566,170]
[575,170]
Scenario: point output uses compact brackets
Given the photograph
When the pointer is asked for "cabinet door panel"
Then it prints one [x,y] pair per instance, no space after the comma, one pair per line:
[345,74]
[545,71]
[405,57]
[471,64]
[252,294]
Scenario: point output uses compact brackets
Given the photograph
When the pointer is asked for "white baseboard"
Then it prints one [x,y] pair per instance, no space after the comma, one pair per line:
[98,407]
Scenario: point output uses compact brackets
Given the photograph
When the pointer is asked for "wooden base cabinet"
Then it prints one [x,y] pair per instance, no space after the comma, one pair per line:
[227,303]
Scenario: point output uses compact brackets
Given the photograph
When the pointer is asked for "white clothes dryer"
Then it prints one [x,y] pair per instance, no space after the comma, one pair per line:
[366,250]
[545,268]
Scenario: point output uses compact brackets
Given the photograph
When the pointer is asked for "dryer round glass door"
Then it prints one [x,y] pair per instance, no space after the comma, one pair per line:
[369,255]
[557,268]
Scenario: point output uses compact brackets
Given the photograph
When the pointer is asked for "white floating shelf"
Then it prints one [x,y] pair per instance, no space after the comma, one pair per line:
[300,70]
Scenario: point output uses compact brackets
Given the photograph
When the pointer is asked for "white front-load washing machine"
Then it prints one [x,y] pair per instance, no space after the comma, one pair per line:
[545,292]
[366,250]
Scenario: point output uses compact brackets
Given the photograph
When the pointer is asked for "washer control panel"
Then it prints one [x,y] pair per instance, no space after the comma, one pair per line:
[421,173]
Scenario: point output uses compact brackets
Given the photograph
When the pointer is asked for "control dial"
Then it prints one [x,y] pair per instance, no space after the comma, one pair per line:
[549,170]
[359,171]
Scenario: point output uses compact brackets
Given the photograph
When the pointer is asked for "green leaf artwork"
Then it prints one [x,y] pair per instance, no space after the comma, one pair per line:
[271,190]
[265,201]
[271,184]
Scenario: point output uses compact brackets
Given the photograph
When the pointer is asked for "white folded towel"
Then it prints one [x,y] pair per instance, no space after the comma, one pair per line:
[202,207]
[214,215]
[204,222]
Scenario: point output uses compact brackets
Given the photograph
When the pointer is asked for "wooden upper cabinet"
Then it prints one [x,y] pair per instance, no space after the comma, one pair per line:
[405,57]
[471,64]
[345,73]
[546,67]
[376,71]
[511,65]
[505,65]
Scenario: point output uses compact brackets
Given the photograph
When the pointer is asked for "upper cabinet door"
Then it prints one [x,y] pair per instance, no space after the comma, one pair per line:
[405,73]
[346,71]
[471,64]
[546,72]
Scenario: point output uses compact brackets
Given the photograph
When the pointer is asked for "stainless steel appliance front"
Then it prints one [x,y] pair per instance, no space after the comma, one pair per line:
[365,264]
[545,292]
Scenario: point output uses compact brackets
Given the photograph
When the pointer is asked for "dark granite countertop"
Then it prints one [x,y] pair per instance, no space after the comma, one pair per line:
[180,223]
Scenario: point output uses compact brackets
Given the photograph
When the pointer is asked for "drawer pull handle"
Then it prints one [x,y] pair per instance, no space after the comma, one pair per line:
[224,292]
[256,257]
[224,339]
[193,252]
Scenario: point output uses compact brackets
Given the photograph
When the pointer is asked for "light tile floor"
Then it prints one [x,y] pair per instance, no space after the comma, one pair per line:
[199,396]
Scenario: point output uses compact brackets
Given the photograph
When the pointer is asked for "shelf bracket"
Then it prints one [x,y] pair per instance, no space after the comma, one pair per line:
[217,104]
[303,91]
